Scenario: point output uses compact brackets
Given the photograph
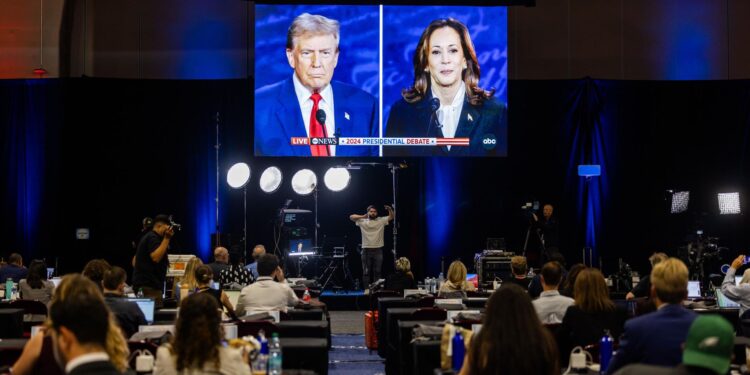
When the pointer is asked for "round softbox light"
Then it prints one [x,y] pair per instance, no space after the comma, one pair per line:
[337,179]
[238,175]
[304,182]
[270,180]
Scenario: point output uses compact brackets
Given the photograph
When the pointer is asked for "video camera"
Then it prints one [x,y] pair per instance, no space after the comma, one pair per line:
[173,224]
[529,208]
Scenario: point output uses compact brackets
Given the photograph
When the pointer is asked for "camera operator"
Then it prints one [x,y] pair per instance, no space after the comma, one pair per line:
[547,227]
[151,260]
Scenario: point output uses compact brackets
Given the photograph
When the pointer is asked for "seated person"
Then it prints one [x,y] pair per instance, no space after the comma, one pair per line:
[708,350]
[567,288]
[95,270]
[196,347]
[14,269]
[456,285]
[553,255]
[187,281]
[128,314]
[511,338]
[270,292]
[258,251]
[643,288]
[36,286]
[551,305]
[403,278]
[236,273]
[519,268]
[656,338]
[738,293]
[591,316]
[204,277]
[221,260]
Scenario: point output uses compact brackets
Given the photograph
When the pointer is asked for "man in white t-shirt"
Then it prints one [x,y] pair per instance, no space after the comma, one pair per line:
[373,228]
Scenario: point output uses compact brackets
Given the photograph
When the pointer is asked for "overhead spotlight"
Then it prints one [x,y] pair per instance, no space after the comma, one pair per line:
[304,182]
[337,179]
[270,180]
[729,203]
[680,201]
[238,175]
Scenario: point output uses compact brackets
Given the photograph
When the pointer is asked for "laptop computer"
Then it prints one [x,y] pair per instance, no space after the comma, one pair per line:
[147,307]
[724,302]
[694,289]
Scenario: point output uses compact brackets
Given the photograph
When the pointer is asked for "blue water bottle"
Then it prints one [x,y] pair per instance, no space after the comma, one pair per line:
[8,289]
[458,351]
[605,352]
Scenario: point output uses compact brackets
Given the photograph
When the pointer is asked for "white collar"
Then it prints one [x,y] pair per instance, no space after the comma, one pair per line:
[303,93]
[458,100]
[84,359]
[550,293]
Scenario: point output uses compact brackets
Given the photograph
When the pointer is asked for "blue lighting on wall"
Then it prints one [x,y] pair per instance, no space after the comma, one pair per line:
[442,176]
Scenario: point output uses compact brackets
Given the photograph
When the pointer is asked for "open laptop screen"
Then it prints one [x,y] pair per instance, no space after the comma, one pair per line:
[147,307]
[694,289]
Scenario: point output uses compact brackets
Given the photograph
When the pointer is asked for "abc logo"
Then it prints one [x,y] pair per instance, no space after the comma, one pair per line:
[315,141]
[489,141]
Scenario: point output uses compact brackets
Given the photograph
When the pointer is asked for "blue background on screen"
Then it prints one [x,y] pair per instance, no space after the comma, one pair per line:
[403,25]
[358,60]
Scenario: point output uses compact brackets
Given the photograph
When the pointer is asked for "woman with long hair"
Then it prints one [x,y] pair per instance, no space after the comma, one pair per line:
[512,340]
[196,347]
[204,277]
[36,286]
[456,283]
[188,279]
[567,287]
[445,100]
[592,314]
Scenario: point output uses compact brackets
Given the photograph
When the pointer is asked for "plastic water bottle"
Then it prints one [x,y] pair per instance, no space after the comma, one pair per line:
[306,296]
[605,352]
[440,281]
[458,351]
[274,356]
[261,361]
[14,292]
[8,288]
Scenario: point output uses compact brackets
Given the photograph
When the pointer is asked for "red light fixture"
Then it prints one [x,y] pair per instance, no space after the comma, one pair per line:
[41,72]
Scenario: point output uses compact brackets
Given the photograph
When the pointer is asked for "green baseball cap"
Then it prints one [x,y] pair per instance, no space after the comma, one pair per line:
[710,344]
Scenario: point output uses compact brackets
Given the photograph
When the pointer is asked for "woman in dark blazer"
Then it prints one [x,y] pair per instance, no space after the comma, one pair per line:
[445,100]
[591,316]
[402,278]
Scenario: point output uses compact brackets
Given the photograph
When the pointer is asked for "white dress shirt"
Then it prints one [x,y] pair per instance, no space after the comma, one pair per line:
[551,306]
[84,359]
[265,295]
[306,105]
[450,115]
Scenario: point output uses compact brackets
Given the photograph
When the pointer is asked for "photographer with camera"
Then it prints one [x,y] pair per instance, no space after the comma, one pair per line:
[151,262]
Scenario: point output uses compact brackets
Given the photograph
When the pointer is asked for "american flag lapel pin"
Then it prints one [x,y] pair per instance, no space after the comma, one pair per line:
[346,115]
[471,119]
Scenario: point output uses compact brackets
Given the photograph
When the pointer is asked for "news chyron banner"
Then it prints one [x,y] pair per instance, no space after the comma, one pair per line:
[372,80]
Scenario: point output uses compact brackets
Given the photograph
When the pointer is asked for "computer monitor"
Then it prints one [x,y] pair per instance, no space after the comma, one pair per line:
[472,278]
[50,272]
[234,296]
[694,289]
[725,302]
[147,307]
[300,245]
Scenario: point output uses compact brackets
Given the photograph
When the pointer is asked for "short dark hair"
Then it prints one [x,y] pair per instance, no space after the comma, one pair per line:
[204,274]
[95,270]
[164,219]
[552,273]
[113,277]
[267,264]
[84,314]
[15,258]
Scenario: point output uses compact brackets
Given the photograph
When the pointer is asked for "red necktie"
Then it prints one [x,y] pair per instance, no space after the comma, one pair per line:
[316,128]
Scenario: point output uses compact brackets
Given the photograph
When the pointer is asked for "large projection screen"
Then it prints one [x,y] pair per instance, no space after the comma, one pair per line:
[380,80]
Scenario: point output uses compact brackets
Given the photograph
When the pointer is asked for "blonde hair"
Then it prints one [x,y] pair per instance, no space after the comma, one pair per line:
[116,346]
[590,291]
[745,277]
[403,264]
[518,265]
[314,24]
[670,278]
[190,268]
[657,258]
[457,273]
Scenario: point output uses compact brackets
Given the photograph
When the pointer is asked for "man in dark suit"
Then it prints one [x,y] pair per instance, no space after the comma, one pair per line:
[656,338]
[128,314]
[14,270]
[309,103]
[80,323]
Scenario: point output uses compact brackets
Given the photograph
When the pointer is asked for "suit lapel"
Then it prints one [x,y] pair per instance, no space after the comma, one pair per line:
[290,117]
[344,119]
[469,120]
